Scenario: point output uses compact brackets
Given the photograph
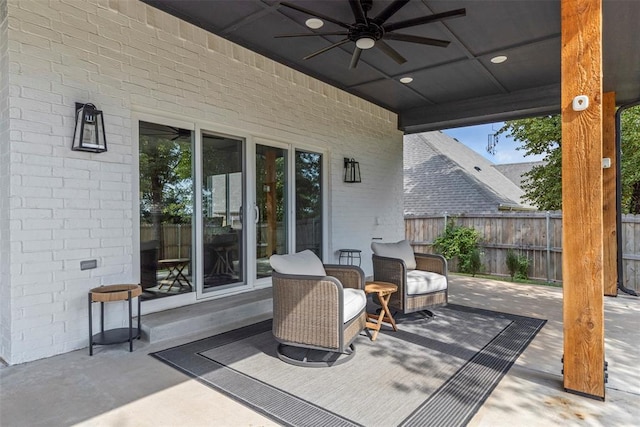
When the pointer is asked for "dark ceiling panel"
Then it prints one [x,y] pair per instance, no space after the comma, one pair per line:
[492,25]
[527,31]
[537,64]
[454,82]
[397,94]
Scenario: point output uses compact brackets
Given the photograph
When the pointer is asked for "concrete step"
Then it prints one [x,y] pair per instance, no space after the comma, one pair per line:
[210,317]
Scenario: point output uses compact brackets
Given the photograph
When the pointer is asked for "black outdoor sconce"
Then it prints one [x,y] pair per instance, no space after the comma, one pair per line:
[89,132]
[351,170]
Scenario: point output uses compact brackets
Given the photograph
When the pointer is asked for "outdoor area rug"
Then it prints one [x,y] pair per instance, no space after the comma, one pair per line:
[433,371]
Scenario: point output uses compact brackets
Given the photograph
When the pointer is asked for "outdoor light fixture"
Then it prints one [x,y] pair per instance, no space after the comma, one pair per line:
[351,170]
[89,132]
[365,42]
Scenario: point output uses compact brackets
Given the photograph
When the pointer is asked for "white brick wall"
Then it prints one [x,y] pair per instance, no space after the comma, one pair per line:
[61,206]
[5,157]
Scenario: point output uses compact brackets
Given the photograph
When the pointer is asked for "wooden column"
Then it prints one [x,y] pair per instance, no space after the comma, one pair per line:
[610,264]
[582,219]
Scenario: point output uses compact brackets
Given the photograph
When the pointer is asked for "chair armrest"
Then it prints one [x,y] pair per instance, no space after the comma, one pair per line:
[350,276]
[392,270]
[431,262]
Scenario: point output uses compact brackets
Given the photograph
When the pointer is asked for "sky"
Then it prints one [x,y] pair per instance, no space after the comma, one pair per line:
[476,137]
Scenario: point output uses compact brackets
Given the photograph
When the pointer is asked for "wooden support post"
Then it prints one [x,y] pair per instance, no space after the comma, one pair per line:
[610,264]
[582,219]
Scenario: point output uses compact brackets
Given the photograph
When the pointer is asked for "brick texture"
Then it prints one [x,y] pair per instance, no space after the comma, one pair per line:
[59,207]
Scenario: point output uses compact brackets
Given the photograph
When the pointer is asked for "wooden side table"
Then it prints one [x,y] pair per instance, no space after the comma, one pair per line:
[113,293]
[174,275]
[384,291]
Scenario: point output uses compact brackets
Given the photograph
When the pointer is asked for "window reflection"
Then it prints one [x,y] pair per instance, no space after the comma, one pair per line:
[166,210]
[222,195]
[309,202]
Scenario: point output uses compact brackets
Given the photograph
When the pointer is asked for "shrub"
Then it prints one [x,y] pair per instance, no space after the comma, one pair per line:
[475,262]
[517,264]
[461,242]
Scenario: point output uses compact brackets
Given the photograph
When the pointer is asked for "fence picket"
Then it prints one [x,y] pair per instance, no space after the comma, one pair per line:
[538,235]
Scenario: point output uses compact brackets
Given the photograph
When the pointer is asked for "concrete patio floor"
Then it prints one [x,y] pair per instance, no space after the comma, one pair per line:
[118,388]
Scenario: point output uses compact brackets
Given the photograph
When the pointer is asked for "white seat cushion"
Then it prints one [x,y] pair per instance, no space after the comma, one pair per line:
[354,301]
[424,282]
[304,263]
[400,250]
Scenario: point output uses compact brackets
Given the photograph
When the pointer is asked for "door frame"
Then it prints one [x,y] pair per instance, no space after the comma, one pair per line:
[251,139]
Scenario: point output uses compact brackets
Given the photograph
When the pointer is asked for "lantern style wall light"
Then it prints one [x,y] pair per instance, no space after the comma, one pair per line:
[89,133]
[351,170]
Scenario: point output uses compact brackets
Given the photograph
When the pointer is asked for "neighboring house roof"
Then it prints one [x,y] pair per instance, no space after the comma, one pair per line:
[515,171]
[443,175]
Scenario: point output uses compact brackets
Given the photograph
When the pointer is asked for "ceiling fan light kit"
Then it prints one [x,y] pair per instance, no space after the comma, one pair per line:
[368,32]
[365,42]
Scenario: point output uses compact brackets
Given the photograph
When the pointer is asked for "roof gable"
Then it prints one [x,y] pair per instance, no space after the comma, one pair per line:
[443,175]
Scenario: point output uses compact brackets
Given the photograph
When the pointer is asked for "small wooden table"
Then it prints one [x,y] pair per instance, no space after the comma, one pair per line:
[384,291]
[111,293]
[174,275]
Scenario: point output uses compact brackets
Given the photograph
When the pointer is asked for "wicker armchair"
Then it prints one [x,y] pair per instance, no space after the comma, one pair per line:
[419,289]
[309,315]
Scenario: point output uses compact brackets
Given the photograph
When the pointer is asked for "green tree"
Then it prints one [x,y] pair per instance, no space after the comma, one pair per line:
[630,161]
[543,136]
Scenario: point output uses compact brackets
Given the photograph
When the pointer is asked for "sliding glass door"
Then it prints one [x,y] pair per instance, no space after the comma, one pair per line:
[214,208]
[308,191]
[222,200]
[166,210]
[270,215]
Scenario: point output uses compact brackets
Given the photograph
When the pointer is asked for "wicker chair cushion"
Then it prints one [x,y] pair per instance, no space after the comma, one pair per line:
[304,263]
[400,250]
[354,301]
[424,282]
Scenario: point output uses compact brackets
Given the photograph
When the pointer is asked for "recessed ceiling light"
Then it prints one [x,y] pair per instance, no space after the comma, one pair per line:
[314,23]
[498,59]
[406,80]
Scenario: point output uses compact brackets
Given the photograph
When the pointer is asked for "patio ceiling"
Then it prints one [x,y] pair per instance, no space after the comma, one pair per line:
[453,86]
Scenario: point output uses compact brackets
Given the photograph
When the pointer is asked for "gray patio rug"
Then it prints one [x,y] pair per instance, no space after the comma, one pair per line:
[432,372]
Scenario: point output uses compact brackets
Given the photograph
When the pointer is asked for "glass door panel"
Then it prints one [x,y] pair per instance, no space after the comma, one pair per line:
[166,210]
[222,196]
[271,206]
[308,170]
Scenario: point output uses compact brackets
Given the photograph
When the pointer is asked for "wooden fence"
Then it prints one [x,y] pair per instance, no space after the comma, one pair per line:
[176,238]
[538,235]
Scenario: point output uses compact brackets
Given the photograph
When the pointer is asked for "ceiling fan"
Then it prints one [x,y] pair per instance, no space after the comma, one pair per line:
[367,32]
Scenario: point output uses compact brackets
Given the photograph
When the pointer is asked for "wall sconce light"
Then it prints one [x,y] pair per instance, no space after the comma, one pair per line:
[89,133]
[351,170]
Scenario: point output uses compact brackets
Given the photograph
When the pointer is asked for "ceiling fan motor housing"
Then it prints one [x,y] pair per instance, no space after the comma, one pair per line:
[360,30]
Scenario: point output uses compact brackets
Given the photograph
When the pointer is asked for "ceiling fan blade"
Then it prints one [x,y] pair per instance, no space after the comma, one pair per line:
[334,33]
[323,50]
[391,52]
[358,11]
[355,58]
[389,11]
[425,19]
[316,14]
[416,39]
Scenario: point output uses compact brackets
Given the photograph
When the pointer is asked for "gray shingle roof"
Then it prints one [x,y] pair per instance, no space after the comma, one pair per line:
[443,175]
[514,171]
